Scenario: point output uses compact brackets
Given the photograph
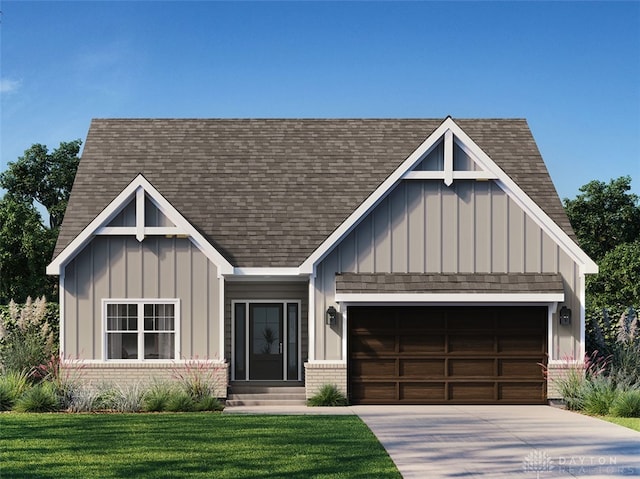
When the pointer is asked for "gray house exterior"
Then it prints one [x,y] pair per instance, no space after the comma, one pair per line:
[406,261]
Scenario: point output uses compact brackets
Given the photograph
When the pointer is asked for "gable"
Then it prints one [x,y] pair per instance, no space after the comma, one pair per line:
[444,138]
[139,210]
[269,193]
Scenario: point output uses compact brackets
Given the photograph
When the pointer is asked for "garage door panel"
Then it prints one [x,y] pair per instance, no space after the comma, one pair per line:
[519,368]
[422,343]
[438,355]
[422,368]
[469,391]
[377,345]
[521,344]
[422,392]
[470,344]
[472,367]
[378,391]
[374,368]
[521,391]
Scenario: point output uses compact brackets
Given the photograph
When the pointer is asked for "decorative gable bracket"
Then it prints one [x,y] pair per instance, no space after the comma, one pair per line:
[141,229]
[448,173]
[137,193]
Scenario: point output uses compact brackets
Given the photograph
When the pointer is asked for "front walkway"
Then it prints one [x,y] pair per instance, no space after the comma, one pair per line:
[492,441]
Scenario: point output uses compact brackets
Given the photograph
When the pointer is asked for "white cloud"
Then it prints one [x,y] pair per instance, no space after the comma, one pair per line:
[8,86]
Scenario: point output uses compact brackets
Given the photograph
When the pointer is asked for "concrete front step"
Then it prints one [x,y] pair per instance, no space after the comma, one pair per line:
[266,395]
[265,402]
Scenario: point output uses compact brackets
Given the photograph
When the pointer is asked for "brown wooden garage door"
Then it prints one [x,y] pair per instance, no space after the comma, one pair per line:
[447,355]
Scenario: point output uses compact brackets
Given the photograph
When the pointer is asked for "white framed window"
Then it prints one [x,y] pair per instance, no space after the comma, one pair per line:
[141,329]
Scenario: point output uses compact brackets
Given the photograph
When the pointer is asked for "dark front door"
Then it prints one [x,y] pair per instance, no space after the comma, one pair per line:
[265,341]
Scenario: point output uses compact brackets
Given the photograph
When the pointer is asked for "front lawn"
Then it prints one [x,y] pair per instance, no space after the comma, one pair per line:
[190,445]
[630,422]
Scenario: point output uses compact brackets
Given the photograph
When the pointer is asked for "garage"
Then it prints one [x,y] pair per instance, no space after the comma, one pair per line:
[447,355]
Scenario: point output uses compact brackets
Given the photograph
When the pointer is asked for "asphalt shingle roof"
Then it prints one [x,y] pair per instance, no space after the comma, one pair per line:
[449,283]
[267,192]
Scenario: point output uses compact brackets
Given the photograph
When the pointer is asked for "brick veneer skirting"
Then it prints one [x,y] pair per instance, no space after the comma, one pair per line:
[557,371]
[317,375]
[122,373]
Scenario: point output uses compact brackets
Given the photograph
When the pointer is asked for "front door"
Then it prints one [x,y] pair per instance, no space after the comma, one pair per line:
[265,341]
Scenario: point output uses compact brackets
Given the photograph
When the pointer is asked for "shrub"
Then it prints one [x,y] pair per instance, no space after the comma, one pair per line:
[127,398]
[627,404]
[598,395]
[66,376]
[12,385]
[157,396]
[209,403]
[329,395]
[40,398]
[82,399]
[180,401]
[198,378]
[27,339]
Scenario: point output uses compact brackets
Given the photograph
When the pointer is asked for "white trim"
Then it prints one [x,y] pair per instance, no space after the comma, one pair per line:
[61,321]
[146,231]
[456,175]
[583,319]
[449,297]
[266,271]
[182,226]
[221,316]
[133,364]
[140,213]
[311,319]
[550,348]
[140,332]
[487,164]
[448,157]
[329,362]
[343,312]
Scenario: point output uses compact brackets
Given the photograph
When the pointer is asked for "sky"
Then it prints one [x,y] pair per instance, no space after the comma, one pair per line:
[572,69]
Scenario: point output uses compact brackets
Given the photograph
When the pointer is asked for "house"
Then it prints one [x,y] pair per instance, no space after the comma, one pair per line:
[404,260]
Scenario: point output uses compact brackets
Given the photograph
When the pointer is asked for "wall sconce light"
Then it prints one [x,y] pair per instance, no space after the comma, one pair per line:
[565,316]
[332,316]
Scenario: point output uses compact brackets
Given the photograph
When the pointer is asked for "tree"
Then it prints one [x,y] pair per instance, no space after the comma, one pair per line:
[618,282]
[604,216]
[44,177]
[26,247]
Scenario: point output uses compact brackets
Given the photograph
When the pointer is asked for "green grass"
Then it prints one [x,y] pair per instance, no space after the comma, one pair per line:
[630,422]
[189,445]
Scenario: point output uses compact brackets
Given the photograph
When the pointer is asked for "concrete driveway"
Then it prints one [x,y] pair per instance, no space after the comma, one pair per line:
[541,442]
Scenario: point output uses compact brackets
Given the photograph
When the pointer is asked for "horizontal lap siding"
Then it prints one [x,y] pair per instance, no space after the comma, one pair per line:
[158,267]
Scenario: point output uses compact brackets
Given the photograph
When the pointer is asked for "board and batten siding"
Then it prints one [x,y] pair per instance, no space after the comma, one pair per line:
[427,227]
[158,267]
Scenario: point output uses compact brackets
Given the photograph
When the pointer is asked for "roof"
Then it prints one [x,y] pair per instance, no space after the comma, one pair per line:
[268,192]
[449,283]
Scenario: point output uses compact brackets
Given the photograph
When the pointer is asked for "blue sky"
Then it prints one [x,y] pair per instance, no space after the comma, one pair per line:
[571,68]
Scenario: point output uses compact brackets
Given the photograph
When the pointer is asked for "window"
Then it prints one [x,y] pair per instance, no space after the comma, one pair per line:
[138,330]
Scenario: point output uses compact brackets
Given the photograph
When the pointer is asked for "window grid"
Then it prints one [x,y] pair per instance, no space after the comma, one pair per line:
[141,330]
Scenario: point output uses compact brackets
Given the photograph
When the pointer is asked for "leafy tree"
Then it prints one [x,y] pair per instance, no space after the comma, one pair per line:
[618,282]
[604,216]
[26,247]
[44,177]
